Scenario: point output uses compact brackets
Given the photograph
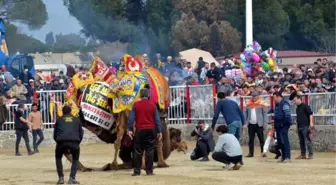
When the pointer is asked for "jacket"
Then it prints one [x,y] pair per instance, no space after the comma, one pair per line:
[18,124]
[261,112]
[68,129]
[230,111]
[205,136]
[282,114]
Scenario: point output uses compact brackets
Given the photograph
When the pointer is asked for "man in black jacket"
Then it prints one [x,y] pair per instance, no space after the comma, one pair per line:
[68,134]
[205,143]
[21,125]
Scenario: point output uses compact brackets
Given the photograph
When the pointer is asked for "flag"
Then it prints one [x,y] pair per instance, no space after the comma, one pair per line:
[3,45]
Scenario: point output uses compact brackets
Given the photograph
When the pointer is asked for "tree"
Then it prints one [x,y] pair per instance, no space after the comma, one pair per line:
[69,43]
[18,42]
[215,47]
[50,40]
[32,12]
[134,11]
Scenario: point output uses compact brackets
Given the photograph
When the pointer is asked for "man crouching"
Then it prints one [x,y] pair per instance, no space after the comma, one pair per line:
[228,149]
[205,142]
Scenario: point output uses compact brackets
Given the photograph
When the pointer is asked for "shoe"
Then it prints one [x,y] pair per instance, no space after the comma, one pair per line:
[281,160]
[204,159]
[310,156]
[150,174]
[249,155]
[18,154]
[36,151]
[60,180]
[73,181]
[135,174]
[230,167]
[286,161]
[31,153]
[236,166]
[300,157]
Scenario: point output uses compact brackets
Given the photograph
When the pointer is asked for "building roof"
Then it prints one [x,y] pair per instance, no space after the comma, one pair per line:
[60,58]
[300,53]
[290,54]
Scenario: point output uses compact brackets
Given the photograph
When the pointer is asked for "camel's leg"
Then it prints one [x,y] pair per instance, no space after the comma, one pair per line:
[122,126]
[81,167]
[161,162]
[159,146]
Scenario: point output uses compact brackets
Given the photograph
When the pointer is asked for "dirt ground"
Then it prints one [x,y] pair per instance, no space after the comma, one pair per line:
[40,169]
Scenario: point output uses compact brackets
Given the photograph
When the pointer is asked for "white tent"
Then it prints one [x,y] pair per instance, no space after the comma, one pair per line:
[192,55]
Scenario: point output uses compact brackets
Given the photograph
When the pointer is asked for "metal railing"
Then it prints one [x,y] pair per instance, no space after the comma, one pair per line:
[189,104]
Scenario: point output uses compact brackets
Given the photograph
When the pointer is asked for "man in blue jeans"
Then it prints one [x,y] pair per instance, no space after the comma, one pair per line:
[232,114]
[282,122]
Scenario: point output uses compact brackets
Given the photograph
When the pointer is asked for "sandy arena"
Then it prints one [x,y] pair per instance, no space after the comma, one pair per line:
[40,169]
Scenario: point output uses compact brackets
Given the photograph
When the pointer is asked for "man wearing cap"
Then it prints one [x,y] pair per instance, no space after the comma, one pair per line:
[21,125]
[148,128]
[68,134]
[256,119]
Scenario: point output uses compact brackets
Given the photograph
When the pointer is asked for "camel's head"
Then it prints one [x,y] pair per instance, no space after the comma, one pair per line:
[176,140]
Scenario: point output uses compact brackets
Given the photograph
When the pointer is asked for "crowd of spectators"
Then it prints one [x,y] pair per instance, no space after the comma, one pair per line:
[318,78]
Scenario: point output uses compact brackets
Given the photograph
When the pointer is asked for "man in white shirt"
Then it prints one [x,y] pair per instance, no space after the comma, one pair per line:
[256,118]
[228,149]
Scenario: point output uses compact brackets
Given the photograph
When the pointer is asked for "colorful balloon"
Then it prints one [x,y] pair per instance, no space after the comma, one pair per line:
[256,46]
[247,70]
[242,57]
[255,57]
[271,62]
[265,66]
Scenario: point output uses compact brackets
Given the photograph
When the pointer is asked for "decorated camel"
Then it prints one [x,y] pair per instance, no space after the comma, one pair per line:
[103,100]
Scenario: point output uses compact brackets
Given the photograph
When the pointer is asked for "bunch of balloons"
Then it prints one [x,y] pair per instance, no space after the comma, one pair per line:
[255,60]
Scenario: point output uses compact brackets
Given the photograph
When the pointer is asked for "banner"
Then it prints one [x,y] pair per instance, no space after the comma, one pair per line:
[95,106]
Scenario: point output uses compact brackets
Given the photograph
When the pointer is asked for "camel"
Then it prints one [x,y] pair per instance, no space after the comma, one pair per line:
[120,87]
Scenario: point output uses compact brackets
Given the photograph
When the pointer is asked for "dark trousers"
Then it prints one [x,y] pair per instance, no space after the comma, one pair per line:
[305,140]
[39,133]
[19,135]
[224,158]
[63,147]
[275,149]
[144,141]
[283,141]
[254,129]
[201,150]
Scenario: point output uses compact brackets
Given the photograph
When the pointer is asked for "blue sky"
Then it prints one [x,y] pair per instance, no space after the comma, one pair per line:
[60,21]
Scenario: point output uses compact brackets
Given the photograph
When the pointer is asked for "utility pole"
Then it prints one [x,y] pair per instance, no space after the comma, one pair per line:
[249,22]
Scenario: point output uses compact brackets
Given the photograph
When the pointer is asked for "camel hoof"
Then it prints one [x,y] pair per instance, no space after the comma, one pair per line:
[162,165]
[107,167]
[87,170]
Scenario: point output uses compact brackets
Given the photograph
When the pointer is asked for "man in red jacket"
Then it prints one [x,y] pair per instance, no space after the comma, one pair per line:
[148,129]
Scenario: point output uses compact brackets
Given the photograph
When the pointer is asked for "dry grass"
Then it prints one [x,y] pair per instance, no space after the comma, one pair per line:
[40,169]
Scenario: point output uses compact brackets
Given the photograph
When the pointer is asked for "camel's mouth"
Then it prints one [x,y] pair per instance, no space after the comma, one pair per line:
[182,147]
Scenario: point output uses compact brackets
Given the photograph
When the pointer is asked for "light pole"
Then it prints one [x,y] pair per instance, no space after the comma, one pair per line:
[249,22]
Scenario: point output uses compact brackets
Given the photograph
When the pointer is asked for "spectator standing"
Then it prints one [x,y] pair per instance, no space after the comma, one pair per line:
[226,66]
[6,73]
[21,125]
[232,114]
[68,134]
[148,128]
[214,72]
[188,70]
[19,90]
[305,123]
[204,143]
[282,123]
[35,118]
[3,87]
[256,119]
[200,65]
[25,76]
[228,149]
[204,71]
[62,76]
[30,88]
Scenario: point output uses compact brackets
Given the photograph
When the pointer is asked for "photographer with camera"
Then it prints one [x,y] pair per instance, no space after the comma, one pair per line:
[205,143]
